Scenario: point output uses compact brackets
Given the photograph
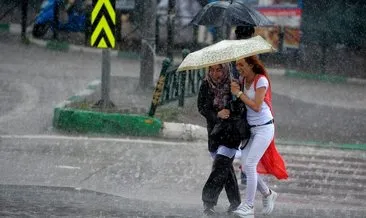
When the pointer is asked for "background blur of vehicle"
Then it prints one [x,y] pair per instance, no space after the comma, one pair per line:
[71,14]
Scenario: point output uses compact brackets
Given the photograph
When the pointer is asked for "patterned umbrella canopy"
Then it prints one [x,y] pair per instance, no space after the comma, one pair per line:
[225,51]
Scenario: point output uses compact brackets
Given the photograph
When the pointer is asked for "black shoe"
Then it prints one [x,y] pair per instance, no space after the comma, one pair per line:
[209,211]
[232,207]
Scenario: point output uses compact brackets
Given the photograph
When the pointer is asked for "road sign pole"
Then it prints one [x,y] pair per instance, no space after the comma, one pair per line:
[106,75]
[103,25]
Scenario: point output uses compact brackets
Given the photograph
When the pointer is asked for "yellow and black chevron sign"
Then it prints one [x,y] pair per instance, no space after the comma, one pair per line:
[103,21]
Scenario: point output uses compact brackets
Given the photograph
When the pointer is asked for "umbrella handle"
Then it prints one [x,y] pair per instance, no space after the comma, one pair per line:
[233,78]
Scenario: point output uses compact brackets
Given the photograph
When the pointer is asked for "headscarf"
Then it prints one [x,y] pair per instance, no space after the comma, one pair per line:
[220,89]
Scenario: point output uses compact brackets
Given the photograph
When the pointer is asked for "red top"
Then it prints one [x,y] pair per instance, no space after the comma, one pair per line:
[271,161]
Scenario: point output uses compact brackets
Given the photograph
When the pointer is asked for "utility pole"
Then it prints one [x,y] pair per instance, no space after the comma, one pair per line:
[148,45]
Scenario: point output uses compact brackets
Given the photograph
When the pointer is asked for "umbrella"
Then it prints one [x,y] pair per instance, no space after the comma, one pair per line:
[235,14]
[211,15]
[225,51]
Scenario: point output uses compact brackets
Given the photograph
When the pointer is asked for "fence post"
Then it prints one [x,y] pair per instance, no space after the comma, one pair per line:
[191,81]
[182,84]
[159,87]
[166,89]
[199,79]
[195,36]
[24,19]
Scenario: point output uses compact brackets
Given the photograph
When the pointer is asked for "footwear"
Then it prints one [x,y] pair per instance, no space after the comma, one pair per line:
[245,211]
[231,208]
[209,211]
[268,202]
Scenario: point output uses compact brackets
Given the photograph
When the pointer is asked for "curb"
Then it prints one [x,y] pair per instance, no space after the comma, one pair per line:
[361,147]
[83,121]
[183,131]
[276,72]
[319,77]
[13,28]
[323,77]
[4,27]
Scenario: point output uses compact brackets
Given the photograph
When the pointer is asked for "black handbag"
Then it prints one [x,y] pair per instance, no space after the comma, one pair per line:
[235,129]
[225,132]
[239,118]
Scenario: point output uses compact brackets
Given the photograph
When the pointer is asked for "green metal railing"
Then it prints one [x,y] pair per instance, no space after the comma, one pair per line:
[179,85]
[175,86]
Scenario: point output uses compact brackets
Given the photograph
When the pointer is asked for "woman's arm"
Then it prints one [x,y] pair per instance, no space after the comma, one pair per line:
[255,104]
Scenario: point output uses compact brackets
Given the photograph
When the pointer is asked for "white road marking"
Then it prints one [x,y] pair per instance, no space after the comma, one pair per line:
[68,167]
[96,139]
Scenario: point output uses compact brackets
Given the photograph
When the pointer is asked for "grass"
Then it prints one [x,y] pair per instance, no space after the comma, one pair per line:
[168,114]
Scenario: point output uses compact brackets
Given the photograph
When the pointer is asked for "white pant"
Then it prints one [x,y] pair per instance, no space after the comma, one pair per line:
[259,141]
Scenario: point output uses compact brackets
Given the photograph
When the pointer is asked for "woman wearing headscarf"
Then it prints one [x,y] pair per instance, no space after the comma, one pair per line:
[260,154]
[213,103]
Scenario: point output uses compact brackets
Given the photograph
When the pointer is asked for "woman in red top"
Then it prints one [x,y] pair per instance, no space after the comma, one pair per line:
[260,154]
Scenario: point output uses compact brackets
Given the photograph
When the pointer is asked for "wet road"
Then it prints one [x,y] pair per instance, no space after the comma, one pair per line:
[148,178]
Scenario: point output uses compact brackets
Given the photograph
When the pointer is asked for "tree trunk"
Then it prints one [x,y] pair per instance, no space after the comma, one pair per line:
[148,45]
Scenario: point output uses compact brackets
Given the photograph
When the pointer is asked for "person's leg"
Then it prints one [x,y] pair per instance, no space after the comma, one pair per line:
[232,190]
[250,158]
[216,181]
[262,186]
[243,178]
[244,210]
[244,154]
[262,137]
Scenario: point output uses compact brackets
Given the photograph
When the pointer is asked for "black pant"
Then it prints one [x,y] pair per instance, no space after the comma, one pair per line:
[222,175]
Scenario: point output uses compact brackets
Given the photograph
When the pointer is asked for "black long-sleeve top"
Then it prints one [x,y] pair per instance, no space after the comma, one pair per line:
[209,111]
